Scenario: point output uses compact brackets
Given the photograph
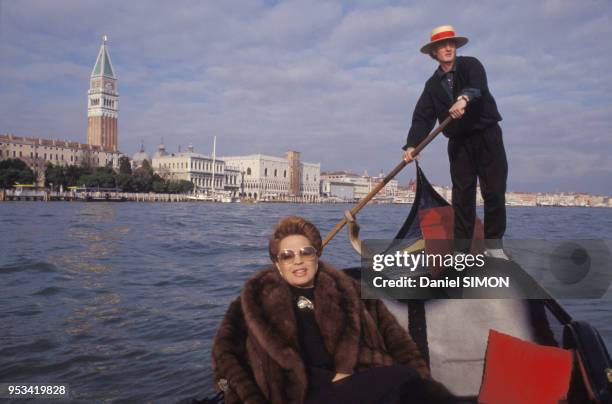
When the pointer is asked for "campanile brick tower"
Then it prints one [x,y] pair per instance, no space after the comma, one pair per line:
[295,175]
[103,102]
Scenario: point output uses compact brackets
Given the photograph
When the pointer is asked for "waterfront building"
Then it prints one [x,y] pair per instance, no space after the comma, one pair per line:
[207,176]
[361,184]
[337,191]
[335,184]
[103,103]
[390,190]
[521,199]
[37,152]
[277,178]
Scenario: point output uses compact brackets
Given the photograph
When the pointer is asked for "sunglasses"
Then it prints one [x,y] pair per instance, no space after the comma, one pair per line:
[307,253]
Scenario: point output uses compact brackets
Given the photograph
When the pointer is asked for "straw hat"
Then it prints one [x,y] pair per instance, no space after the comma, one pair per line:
[442,33]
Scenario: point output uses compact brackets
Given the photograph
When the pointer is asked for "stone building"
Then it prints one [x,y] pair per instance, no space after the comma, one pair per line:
[208,175]
[277,178]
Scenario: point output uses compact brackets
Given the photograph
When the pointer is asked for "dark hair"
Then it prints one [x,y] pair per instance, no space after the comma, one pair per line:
[292,225]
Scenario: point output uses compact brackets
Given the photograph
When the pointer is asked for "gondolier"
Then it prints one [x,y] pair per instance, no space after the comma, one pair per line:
[459,88]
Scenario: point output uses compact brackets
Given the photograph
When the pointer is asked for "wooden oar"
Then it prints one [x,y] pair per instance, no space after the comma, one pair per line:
[388,178]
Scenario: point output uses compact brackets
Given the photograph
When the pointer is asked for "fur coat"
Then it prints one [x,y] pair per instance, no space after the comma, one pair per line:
[256,349]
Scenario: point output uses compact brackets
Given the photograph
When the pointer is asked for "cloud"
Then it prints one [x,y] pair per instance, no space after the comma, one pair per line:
[338,81]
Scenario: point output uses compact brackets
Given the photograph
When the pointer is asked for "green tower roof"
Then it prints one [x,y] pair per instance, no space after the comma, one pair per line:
[103,66]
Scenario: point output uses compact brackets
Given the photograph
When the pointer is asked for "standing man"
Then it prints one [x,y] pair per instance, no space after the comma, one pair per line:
[459,88]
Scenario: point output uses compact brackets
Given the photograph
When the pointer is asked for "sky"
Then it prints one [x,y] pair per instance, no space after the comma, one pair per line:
[337,81]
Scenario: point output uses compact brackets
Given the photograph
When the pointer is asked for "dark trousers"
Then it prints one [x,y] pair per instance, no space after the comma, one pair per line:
[395,384]
[479,156]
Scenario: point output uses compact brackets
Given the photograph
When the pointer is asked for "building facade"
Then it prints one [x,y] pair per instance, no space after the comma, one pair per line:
[208,175]
[337,191]
[37,152]
[276,178]
[103,103]
[362,185]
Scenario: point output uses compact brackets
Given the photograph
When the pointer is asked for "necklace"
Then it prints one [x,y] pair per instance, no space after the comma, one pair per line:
[304,303]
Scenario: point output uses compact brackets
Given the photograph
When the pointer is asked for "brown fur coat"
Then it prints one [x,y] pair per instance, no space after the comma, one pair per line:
[256,347]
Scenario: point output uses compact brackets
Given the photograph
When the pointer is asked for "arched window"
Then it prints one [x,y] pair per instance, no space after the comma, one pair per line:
[285,174]
[275,172]
[265,172]
[248,170]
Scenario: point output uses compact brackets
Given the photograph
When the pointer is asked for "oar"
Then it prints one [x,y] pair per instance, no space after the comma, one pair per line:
[388,178]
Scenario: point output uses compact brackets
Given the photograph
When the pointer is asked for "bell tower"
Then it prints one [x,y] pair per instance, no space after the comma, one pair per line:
[102,102]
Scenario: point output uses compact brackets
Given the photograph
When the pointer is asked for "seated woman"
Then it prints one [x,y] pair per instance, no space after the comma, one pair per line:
[300,332]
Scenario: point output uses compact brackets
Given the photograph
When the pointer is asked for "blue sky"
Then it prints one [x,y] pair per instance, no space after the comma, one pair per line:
[335,80]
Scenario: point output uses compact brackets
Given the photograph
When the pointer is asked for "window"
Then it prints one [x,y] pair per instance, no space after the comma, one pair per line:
[20,155]
[275,173]
[285,174]
[265,172]
[248,170]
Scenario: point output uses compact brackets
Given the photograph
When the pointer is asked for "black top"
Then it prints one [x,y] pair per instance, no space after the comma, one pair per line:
[314,353]
[435,101]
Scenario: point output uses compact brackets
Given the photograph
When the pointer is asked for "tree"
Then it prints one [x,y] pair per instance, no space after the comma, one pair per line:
[102,177]
[73,174]
[159,187]
[182,187]
[186,186]
[55,175]
[125,182]
[124,165]
[146,165]
[14,170]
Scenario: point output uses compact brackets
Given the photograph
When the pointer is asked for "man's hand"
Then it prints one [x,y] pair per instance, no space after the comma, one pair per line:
[409,155]
[458,108]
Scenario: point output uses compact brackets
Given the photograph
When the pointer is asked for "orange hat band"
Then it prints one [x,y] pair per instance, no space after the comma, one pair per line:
[442,35]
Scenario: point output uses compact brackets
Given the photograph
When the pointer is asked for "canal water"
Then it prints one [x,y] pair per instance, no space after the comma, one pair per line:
[121,301]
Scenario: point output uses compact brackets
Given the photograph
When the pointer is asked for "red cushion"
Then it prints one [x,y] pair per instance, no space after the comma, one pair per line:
[518,371]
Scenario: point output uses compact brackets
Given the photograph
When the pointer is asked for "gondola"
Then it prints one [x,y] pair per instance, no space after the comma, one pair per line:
[454,334]
[482,350]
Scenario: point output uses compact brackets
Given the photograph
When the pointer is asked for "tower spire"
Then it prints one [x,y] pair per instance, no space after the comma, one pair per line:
[103,66]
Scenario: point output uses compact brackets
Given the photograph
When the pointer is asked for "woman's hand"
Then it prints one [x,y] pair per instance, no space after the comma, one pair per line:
[339,376]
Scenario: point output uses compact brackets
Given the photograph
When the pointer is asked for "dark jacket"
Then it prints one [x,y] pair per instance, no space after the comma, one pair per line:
[435,103]
[256,347]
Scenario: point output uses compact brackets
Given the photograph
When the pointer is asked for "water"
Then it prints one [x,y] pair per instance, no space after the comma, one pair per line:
[121,301]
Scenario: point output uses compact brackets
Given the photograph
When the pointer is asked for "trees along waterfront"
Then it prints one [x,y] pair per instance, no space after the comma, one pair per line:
[14,170]
[143,179]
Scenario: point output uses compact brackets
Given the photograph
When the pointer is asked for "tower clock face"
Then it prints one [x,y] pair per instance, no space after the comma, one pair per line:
[109,86]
